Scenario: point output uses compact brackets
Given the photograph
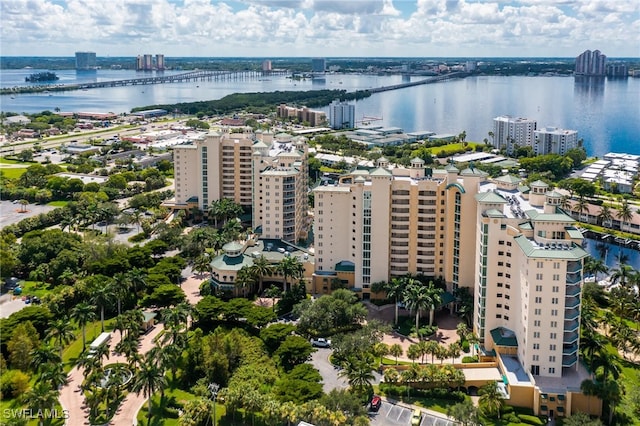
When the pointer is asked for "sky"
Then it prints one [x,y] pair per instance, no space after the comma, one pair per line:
[312,28]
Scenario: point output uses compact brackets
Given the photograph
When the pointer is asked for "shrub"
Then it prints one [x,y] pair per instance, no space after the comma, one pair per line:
[14,383]
[465,346]
[511,418]
[137,238]
[470,359]
[530,420]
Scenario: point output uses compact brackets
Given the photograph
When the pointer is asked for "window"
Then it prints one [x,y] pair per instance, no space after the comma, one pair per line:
[538,299]
[536,346]
[555,289]
[554,300]
[536,358]
[537,311]
[556,265]
[499,295]
[556,277]
[554,312]
[539,277]
[553,371]
[538,288]
[536,323]
[539,265]
[552,358]
[498,316]
[553,336]
[552,347]
[554,324]
[536,334]
[499,285]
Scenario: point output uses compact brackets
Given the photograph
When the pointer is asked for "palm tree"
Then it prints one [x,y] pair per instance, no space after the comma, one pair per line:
[454,351]
[622,275]
[54,374]
[491,400]
[395,290]
[290,267]
[60,331]
[83,313]
[605,216]
[261,268]
[148,380]
[595,266]
[202,264]
[433,348]
[273,292]
[89,364]
[137,277]
[244,279]
[102,295]
[396,351]
[624,213]
[359,373]
[42,356]
[121,287]
[583,206]
[41,397]
[413,352]
[609,391]
[380,349]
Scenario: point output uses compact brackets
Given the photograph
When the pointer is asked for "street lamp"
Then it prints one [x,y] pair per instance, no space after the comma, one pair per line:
[213,390]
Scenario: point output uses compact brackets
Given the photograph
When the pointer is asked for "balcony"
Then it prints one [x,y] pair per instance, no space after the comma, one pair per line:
[570,337]
[569,360]
[571,325]
[569,349]
[571,314]
[573,290]
[574,278]
[571,302]
[573,266]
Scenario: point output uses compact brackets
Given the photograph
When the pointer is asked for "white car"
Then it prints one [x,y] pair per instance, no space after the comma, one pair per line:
[320,343]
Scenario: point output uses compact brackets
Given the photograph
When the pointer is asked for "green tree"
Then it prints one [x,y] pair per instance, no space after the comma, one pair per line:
[261,268]
[41,397]
[102,295]
[62,332]
[581,419]
[148,379]
[293,350]
[83,313]
[290,267]
[609,391]
[396,351]
[359,374]
[464,412]
[491,400]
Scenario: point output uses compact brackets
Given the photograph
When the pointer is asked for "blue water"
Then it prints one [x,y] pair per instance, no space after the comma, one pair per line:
[610,253]
[606,113]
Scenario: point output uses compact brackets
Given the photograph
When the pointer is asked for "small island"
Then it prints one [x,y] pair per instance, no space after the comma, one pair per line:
[41,77]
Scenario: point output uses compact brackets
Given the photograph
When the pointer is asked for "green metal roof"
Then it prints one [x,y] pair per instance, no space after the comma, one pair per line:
[573,232]
[514,180]
[494,213]
[345,266]
[490,197]
[380,172]
[536,216]
[456,185]
[504,337]
[227,263]
[539,183]
[575,252]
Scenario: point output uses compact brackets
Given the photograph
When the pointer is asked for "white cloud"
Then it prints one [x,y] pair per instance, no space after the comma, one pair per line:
[320,27]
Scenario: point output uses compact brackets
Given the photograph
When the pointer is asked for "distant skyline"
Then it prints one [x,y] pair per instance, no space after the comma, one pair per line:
[332,28]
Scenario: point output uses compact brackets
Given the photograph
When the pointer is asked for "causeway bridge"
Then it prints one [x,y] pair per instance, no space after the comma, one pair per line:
[436,79]
[185,77]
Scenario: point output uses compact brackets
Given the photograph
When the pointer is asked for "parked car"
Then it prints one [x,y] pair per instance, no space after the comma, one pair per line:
[376,403]
[416,417]
[320,343]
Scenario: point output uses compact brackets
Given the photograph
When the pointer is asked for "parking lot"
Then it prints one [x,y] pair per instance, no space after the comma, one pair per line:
[12,213]
[396,415]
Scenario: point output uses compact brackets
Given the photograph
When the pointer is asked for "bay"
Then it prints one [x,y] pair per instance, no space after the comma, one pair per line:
[606,113]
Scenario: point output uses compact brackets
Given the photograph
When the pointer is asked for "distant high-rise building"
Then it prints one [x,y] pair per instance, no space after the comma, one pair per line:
[551,140]
[139,63]
[85,60]
[509,132]
[617,70]
[470,66]
[148,62]
[160,62]
[266,65]
[342,115]
[591,63]
[318,65]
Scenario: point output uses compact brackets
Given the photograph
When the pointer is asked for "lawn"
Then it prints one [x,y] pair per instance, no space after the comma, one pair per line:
[34,288]
[169,413]
[452,148]
[9,161]
[630,378]
[60,203]
[13,173]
